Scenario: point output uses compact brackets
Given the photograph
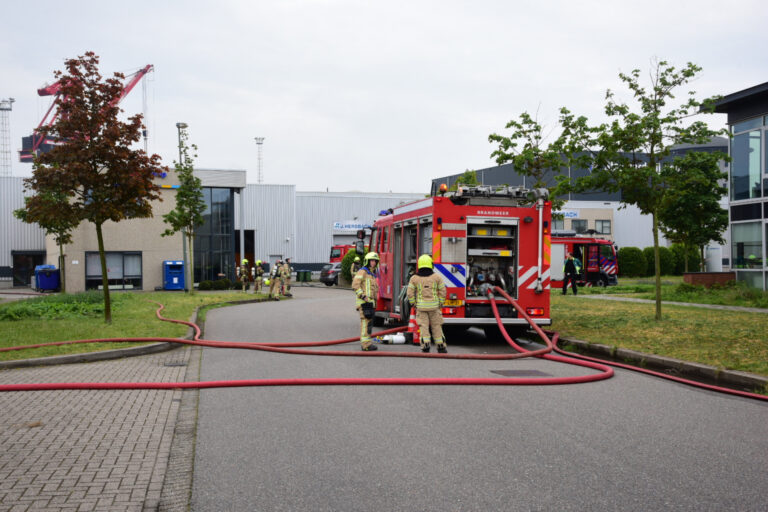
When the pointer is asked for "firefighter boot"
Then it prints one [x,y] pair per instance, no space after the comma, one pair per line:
[442,348]
[369,348]
[424,346]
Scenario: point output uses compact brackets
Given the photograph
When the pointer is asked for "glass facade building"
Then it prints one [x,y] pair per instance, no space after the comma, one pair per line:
[214,243]
[748,182]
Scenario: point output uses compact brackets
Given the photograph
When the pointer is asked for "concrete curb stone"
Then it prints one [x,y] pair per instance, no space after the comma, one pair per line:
[695,371]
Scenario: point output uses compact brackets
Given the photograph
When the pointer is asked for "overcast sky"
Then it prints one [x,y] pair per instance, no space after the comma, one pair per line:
[373,97]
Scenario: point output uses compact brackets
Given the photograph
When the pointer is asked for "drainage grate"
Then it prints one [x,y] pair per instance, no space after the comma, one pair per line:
[175,363]
[521,373]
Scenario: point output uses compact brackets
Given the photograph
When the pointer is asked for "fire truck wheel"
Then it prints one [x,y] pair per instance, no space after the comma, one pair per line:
[601,282]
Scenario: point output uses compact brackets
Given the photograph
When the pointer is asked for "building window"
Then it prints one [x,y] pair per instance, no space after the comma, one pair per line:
[579,225]
[214,244]
[745,169]
[603,227]
[746,246]
[123,271]
[558,224]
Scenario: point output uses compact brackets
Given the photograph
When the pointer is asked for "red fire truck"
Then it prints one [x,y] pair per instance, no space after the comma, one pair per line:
[479,237]
[599,265]
[339,251]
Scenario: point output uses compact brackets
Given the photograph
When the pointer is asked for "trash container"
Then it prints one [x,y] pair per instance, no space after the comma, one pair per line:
[173,275]
[47,278]
[307,276]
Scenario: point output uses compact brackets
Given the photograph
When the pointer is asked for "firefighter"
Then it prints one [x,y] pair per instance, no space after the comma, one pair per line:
[571,270]
[367,291]
[355,266]
[258,277]
[243,274]
[274,280]
[427,292]
[285,277]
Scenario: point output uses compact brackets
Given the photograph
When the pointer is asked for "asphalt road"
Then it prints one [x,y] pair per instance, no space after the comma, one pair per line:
[632,442]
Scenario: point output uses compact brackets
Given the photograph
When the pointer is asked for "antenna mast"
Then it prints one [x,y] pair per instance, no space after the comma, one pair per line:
[6,105]
[260,161]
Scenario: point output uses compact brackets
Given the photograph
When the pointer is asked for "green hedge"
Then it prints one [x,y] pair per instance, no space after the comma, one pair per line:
[694,259]
[632,262]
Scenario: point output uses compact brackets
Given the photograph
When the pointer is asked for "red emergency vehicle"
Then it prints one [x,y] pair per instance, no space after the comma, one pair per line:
[339,251]
[599,264]
[478,237]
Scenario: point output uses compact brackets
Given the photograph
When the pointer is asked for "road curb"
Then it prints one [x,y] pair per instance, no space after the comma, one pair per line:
[694,371]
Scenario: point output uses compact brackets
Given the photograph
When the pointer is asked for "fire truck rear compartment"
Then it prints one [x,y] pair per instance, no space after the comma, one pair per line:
[492,246]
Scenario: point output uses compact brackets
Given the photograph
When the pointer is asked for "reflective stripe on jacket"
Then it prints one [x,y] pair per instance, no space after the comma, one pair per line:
[428,291]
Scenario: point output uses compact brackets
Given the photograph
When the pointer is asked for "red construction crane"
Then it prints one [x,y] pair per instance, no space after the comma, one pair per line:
[36,143]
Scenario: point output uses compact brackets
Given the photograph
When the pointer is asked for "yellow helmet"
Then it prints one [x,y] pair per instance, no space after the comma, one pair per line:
[245,261]
[266,282]
[370,256]
[425,261]
[258,262]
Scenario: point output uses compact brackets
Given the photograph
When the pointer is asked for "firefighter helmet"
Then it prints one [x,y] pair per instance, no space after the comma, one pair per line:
[370,256]
[245,261]
[425,261]
[258,262]
[357,259]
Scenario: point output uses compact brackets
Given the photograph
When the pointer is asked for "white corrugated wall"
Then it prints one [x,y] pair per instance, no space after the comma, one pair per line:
[14,234]
[317,211]
[270,210]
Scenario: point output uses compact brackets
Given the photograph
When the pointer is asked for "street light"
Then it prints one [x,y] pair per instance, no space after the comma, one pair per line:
[180,127]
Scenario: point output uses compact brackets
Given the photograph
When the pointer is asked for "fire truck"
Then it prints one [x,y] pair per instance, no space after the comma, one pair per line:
[599,264]
[478,237]
[339,251]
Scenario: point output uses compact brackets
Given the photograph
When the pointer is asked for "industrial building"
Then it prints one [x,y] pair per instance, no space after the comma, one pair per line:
[270,221]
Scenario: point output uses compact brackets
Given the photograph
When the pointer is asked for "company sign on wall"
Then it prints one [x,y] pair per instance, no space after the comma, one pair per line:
[570,214]
[349,227]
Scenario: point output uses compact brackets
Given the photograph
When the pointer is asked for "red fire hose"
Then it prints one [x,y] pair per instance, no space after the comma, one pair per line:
[292,348]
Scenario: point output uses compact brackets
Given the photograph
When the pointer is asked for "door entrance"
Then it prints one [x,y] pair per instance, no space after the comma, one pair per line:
[24,263]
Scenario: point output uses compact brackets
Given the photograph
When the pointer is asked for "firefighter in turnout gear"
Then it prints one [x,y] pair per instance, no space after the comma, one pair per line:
[258,277]
[367,291]
[275,281]
[355,266]
[243,273]
[426,291]
[285,275]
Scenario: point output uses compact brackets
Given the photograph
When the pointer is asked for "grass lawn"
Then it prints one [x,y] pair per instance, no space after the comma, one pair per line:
[726,339]
[76,317]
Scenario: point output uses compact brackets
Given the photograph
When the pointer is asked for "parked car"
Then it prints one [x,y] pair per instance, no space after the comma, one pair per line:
[330,274]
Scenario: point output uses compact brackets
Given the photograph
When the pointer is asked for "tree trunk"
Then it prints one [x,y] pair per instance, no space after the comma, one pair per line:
[104,279]
[191,259]
[62,281]
[703,262]
[657,264]
[685,256]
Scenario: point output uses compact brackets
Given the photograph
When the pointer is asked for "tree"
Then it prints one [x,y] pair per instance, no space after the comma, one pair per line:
[691,213]
[94,167]
[468,177]
[190,204]
[48,210]
[630,153]
[525,149]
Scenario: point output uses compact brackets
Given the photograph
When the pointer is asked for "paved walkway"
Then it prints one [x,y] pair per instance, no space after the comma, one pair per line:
[94,450]
[672,303]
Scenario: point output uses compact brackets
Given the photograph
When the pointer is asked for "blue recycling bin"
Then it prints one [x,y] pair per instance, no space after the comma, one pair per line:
[47,278]
[173,275]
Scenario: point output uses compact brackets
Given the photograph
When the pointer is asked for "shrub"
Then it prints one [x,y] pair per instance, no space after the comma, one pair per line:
[221,284]
[238,285]
[205,285]
[666,261]
[58,306]
[694,259]
[346,264]
[632,262]
[649,262]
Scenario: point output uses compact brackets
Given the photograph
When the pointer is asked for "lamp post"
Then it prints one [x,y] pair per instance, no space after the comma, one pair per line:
[180,127]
